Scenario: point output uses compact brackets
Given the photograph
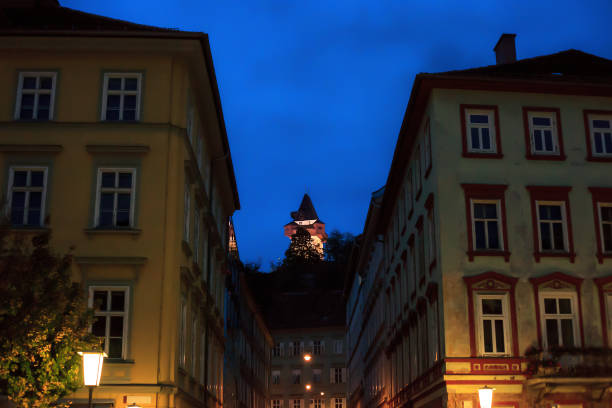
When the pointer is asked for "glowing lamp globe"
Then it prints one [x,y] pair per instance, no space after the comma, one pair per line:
[92,367]
[485,395]
[308,387]
[307,357]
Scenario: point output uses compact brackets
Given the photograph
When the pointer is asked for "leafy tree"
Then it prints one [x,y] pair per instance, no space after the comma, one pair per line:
[338,247]
[301,251]
[43,323]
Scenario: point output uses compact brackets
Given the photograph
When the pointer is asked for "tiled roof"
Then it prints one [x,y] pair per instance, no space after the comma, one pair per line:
[49,15]
[573,65]
[306,210]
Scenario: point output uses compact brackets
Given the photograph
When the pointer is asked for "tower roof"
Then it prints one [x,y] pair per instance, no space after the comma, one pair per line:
[306,210]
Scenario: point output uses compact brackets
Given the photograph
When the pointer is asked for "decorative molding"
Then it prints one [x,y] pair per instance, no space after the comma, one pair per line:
[30,148]
[118,149]
[111,260]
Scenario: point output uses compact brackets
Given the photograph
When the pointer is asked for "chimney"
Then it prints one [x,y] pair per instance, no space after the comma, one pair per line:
[505,49]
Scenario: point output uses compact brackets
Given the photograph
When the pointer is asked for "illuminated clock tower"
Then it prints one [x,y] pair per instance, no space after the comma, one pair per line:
[307,218]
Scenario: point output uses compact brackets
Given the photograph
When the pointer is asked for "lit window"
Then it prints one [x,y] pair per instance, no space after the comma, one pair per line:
[35,95]
[115,198]
[559,319]
[297,403]
[111,318]
[338,402]
[493,324]
[121,97]
[26,195]
[480,131]
[317,403]
[276,403]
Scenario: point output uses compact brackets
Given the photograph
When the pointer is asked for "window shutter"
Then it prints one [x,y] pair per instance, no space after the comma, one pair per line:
[332,378]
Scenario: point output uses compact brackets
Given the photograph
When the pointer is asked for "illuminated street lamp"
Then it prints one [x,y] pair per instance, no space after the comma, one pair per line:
[308,387]
[485,395]
[307,357]
[322,393]
[92,369]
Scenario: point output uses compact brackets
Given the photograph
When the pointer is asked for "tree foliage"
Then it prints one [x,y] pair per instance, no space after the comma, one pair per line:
[338,247]
[43,323]
[301,251]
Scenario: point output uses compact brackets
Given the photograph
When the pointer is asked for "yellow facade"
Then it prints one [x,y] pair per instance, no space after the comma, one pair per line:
[172,302]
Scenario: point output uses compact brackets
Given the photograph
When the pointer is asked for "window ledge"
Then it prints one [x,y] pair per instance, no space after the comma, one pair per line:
[552,157]
[472,254]
[473,155]
[118,361]
[599,158]
[135,149]
[113,231]
[570,255]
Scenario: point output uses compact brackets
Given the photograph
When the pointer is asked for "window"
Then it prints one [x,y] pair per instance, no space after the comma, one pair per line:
[493,324]
[598,126]
[317,403]
[420,250]
[551,221]
[35,95]
[277,350]
[338,402]
[316,347]
[276,377]
[26,196]
[186,212]
[602,211]
[431,233]
[337,375]
[295,348]
[558,319]
[338,346]
[276,403]
[316,375]
[296,376]
[110,305]
[297,403]
[486,220]
[543,133]
[480,131]
[115,198]
[121,97]
[491,314]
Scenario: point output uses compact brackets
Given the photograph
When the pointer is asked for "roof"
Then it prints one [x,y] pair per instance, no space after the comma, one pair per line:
[566,65]
[569,72]
[306,210]
[48,18]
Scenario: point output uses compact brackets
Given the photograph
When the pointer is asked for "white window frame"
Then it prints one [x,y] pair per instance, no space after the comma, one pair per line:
[28,189]
[574,316]
[505,317]
[592,130]
[601,204]
[275,377]
[105,92]
[296,403]
[317,403]
[36,92]
[554,128]
[490,113]
[562,204]
[115,191]
[125,314]
[339,403]
[500,235]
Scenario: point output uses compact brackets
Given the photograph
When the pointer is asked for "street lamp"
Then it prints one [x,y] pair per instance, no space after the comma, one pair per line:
[308,387]
[92,369]
[322,393]
[307,357]
[485,395]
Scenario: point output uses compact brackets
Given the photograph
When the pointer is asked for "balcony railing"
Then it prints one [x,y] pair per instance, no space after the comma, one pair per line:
[574,362]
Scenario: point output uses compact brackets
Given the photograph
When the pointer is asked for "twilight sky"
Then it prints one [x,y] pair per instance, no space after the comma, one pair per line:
[314,91]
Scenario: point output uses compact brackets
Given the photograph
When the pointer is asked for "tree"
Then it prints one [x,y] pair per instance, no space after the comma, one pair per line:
[44,322]
[301,251]
[338,247]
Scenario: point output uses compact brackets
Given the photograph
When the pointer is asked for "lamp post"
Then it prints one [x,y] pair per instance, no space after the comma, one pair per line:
[485,396]
[92,370]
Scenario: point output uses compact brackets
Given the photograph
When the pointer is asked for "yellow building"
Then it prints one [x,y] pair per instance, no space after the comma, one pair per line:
[112,137]
[497,227]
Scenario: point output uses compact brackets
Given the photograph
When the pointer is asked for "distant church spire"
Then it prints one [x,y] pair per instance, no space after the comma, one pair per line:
[307,218]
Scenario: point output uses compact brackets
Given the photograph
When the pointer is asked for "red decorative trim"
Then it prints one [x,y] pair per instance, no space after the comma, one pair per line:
[470,281]
[489,366]
[600,195]
[498,154]
[601,290]
[483,381]
[587,133]
[572,280]
[529,155]
[541,193]
[485,192]
[429,202]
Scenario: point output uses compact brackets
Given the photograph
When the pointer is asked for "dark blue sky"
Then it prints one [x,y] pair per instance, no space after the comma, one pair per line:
[314,92]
